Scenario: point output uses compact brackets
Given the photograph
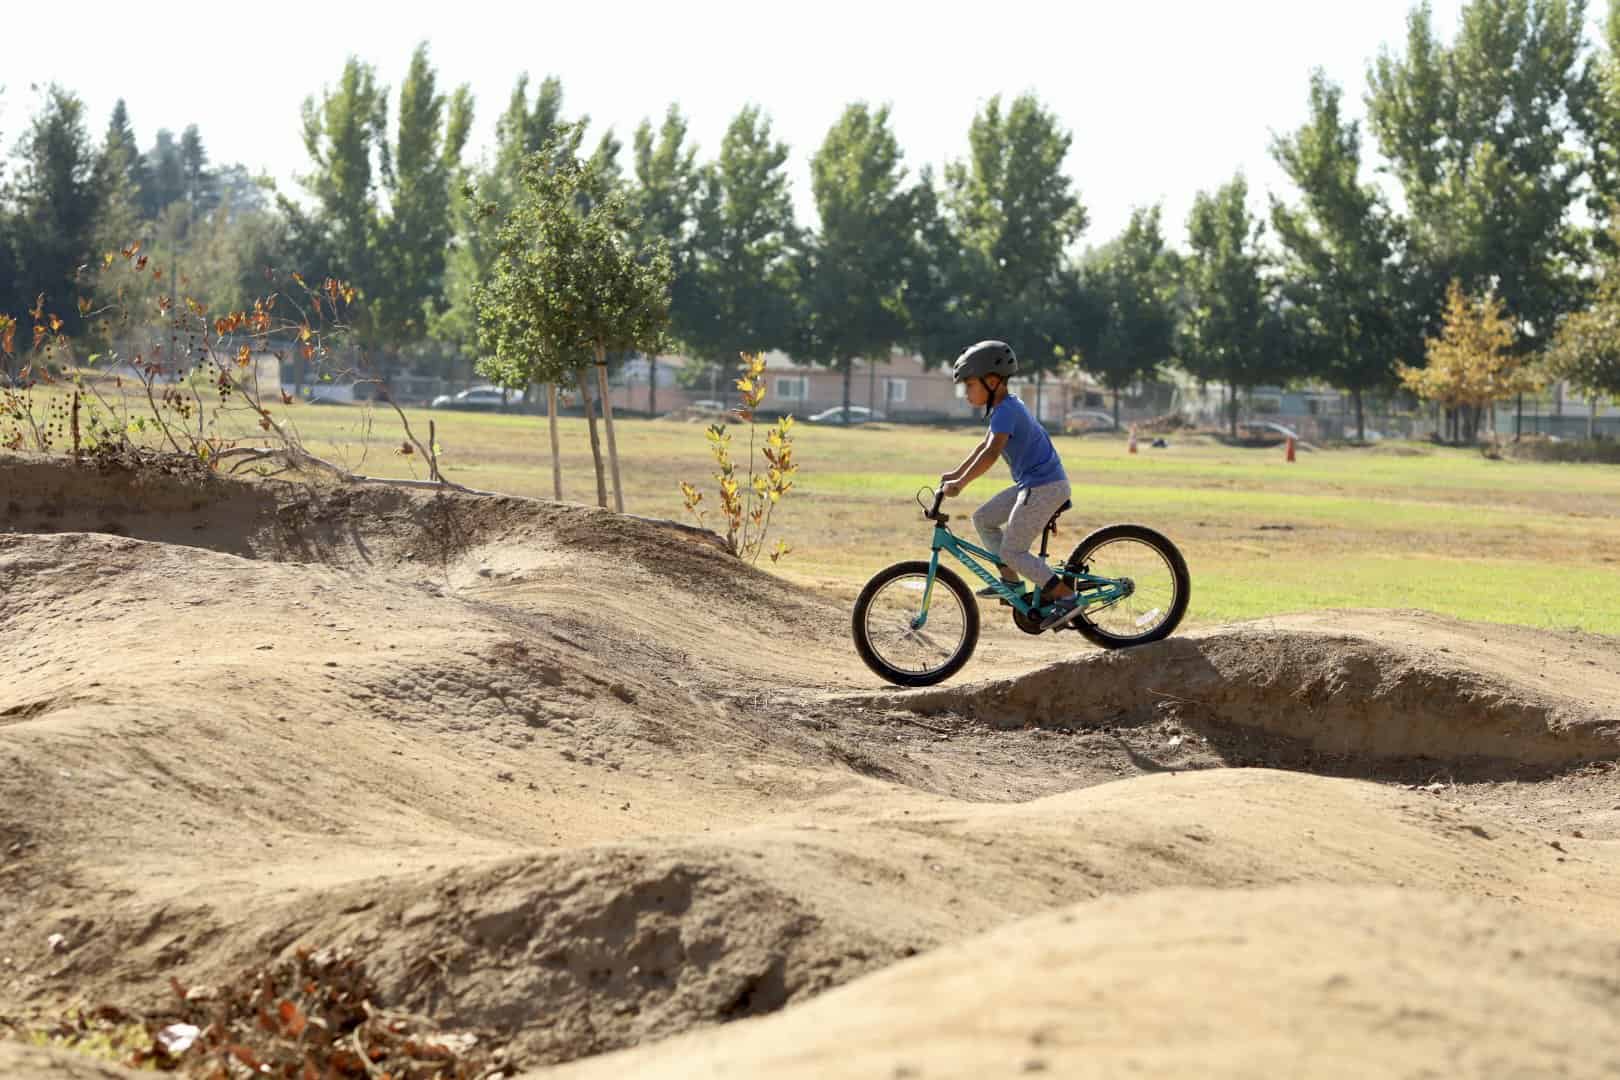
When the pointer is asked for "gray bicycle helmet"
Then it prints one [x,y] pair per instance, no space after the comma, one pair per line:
[985,358]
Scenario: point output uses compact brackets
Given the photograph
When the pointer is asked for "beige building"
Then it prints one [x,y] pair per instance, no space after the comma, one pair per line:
[900,388]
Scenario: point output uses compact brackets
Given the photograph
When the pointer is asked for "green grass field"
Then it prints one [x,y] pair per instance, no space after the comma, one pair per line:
[1399,525]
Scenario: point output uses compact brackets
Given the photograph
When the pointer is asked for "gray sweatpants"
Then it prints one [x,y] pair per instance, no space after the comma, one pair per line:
[1010,522]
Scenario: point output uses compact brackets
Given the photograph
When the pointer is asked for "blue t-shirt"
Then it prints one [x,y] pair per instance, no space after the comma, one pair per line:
[1029,453]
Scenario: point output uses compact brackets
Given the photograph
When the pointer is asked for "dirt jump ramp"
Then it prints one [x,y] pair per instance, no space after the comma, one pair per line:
[1347,685]
[1283,981]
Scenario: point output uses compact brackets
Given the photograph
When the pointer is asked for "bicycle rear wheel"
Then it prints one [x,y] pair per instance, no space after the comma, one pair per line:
[900,641]
[1160,586]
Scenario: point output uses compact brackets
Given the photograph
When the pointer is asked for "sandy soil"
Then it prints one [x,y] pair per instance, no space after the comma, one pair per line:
[583,782]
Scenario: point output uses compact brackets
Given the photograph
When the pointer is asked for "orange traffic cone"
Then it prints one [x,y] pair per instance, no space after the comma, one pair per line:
[1130,447]
[1288,455]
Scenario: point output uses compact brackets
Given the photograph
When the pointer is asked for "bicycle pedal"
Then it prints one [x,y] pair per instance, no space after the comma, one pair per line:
[1053,619]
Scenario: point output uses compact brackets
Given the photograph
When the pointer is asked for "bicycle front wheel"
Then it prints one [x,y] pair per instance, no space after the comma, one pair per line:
[910,644]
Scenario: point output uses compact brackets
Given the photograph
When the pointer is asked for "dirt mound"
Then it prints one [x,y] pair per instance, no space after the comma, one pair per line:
[1289,981]
[572,953]
[373,529]
[586,780]
[1309,692]
[23,1062]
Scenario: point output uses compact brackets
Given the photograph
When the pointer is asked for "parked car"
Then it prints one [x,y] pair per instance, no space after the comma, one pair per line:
[1266,429]
[1088,420]
[487,398]
[330,394]
[858,414]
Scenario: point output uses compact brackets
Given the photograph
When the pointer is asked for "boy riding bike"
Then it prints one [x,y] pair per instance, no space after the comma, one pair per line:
[1011,520]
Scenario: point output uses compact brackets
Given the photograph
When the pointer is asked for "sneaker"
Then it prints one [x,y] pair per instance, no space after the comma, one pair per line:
[1063,610]
[990,592]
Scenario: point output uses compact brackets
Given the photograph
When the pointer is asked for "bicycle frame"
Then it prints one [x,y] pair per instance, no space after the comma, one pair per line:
[1098,590]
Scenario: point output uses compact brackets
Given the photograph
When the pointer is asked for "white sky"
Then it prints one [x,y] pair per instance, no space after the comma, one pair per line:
[1164,97]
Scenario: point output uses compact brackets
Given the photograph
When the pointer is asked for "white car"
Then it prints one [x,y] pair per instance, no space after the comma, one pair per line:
[485,398]
[858,414]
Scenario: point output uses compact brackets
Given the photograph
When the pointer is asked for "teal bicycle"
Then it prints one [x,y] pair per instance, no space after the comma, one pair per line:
[917,623]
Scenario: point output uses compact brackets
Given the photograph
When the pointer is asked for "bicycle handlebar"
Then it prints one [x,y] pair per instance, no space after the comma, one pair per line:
[934,514]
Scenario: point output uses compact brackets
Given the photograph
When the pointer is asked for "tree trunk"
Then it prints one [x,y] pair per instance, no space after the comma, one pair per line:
[1361,416]
[1231,409]
[1040,378]
[871,385]
[1591,418]
[607,416]
[652,385]
[849,375]
[596,446]
[556,456]
[1116,409]
[1518,418]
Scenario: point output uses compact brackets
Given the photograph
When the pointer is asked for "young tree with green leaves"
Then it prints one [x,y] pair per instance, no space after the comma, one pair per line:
[570,285]
[664,196]
[382,213]
[163,175]
[417,176]
[1339,270]
[937,286]
[853,280]
[1229,331]
[742,300]
[57,206]
[343,130]
[197,177]
[1585,351]
[1480,133]
[118,222]
[1599,120]
[483,196]
[1130,287]
[1013,214]
[119,146]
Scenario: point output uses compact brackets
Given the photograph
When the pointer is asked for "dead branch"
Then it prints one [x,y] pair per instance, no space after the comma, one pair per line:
[426,452]
[292,457]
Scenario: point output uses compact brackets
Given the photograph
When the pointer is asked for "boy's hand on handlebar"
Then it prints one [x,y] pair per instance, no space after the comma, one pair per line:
[950,486]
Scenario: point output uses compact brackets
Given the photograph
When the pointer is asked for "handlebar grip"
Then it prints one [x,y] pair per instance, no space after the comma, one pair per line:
[939,497]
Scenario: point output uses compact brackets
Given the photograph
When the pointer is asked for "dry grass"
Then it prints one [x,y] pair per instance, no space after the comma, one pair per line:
[1396,525]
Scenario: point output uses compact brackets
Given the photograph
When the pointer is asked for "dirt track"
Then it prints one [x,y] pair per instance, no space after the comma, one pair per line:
[584,781]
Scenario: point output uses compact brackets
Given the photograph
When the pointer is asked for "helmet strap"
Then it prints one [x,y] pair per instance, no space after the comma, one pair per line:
[997,392]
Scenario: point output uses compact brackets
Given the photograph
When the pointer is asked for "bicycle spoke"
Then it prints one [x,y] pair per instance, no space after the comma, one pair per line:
[1151,581]
[891,625]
